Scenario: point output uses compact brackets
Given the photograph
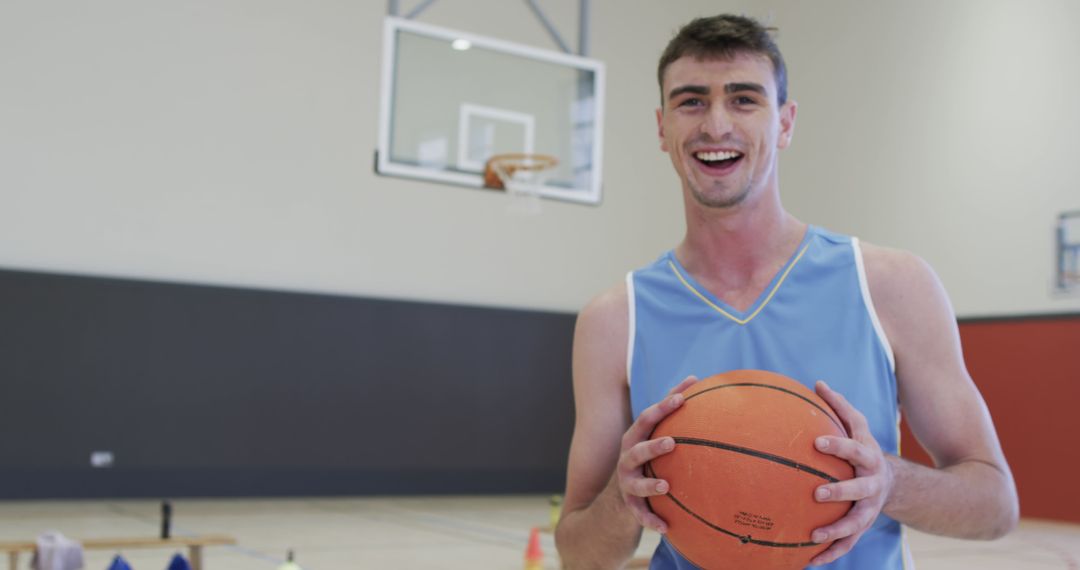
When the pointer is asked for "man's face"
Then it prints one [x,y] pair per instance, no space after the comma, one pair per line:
[721,125]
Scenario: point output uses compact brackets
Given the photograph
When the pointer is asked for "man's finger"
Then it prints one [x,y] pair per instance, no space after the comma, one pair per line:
[644,516]
[647,487]
[854,452]
[852,524]
[647,420]
[851,490]
[654,522]
[838,549]
[686,383]
[645,423]
[852,417]
[646,451]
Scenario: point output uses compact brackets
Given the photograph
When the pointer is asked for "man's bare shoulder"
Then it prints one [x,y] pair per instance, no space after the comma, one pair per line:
[602,333]
[610,307]
[896,277]
[606,315]
[910,301]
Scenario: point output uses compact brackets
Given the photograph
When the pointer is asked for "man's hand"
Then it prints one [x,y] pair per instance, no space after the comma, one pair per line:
[637,450]
[869,489]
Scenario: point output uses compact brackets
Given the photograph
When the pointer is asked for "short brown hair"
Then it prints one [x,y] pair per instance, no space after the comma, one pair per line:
[723,37]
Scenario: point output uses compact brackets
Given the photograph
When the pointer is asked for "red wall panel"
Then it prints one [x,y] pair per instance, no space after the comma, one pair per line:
[1029,373]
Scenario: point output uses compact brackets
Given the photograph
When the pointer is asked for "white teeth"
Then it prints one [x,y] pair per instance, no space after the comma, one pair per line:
[715,156]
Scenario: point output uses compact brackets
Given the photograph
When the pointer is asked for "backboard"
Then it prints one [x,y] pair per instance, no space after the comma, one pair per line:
[451,100]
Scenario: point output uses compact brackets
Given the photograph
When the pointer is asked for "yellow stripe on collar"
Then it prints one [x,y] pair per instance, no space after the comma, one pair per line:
[719,309]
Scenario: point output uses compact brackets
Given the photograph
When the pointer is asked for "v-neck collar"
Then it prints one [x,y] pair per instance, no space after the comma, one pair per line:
[740,317]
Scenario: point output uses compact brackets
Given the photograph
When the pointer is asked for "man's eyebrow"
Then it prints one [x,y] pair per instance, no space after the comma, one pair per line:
[731,88]
[694,89]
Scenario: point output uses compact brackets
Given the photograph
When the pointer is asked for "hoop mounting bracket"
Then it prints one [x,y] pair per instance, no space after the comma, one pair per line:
[394,9]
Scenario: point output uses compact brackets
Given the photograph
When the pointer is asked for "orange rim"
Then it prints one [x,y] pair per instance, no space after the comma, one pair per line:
[512,162]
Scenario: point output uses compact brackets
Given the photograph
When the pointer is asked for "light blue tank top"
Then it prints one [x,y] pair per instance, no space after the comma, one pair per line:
[814,321]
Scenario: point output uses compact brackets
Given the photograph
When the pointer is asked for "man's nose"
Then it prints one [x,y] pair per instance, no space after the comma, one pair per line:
[717,122]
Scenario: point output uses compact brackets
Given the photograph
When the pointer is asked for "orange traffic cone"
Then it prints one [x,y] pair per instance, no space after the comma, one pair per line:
[534,556]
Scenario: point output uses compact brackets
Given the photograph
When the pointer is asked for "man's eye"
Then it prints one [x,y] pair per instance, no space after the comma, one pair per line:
[744,100]
[691,102]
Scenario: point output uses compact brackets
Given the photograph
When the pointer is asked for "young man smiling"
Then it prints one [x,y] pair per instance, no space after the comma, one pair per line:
[751,286]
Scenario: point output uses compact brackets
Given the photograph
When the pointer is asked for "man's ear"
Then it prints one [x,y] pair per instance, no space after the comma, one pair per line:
[787,123]
[660,128]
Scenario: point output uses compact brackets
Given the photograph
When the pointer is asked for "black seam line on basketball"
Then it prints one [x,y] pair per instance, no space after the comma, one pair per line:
[760,454]
[779,389]
[744,538]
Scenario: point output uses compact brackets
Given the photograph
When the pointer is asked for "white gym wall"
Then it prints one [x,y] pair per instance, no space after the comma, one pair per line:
[945,128]
[231,142]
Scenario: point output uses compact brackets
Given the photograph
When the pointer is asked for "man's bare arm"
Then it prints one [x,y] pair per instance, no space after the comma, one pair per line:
[596,529]
[604,509]
[970,493]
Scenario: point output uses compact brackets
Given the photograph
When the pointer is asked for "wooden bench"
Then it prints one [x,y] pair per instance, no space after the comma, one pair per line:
[194,545]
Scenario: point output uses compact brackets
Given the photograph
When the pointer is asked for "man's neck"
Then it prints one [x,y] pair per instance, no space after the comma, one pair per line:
[737,251]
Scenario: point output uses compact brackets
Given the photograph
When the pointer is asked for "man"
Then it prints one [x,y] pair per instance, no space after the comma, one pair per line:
[750,286]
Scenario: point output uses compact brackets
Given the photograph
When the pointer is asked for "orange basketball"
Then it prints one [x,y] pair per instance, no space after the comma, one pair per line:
[744,471]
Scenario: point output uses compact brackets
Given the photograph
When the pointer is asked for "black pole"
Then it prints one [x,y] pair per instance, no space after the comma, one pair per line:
[166,519]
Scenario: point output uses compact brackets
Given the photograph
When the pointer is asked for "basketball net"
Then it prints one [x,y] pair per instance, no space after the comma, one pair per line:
[523,177]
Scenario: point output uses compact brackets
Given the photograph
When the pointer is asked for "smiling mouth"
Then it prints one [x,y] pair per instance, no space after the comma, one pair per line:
[718,159]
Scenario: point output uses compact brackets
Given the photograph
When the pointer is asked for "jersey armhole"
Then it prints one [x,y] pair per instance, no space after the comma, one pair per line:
[631,330]
[869,303]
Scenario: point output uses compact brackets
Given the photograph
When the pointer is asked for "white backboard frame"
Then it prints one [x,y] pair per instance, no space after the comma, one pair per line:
[387,166]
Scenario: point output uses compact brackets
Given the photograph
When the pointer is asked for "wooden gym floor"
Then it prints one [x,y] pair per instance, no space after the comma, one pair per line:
[422,533]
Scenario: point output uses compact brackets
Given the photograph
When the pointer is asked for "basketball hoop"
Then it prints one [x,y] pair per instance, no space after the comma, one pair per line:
[521,175]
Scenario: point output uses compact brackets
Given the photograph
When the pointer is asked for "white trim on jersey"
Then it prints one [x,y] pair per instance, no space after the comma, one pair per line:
[870,304]
[909,561]
[630,329]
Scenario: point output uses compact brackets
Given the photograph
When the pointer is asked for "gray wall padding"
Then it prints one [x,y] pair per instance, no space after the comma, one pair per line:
[212,391]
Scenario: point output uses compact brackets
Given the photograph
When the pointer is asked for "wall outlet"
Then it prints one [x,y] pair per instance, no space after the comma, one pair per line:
[101,459]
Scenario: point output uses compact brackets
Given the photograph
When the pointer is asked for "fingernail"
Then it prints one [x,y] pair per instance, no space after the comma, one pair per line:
[661,529]
[676,400]
[662,487]
[819,537]
[668,444]
[822,443]
[822,494]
